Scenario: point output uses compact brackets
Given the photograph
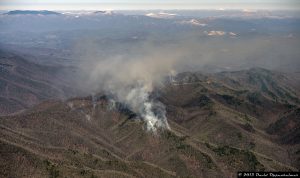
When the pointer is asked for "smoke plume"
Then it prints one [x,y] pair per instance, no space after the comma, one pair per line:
[131,78]
[131,71]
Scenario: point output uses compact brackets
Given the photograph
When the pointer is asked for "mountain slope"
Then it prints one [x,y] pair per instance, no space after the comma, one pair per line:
[24,84]
[210,136]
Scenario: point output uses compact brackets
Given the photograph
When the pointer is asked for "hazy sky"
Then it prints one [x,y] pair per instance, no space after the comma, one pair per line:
[148,4]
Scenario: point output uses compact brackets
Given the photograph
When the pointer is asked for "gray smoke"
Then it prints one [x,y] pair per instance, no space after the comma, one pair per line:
[130,72]
[130,79]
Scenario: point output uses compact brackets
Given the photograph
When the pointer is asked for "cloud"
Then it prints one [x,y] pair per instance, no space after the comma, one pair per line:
[193,22]
[161,15]
[216,33]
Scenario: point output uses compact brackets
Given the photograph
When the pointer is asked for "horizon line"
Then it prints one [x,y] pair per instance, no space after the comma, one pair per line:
[154,9]
[149,6]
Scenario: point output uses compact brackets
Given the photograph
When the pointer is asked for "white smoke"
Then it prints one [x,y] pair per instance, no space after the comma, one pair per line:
[153,112]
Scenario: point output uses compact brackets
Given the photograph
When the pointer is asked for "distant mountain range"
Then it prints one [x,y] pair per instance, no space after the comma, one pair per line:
[177,13]
[46,12]
[31,12]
